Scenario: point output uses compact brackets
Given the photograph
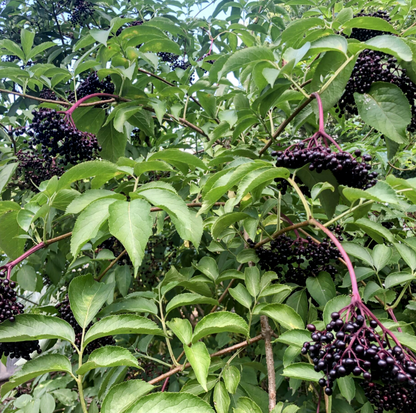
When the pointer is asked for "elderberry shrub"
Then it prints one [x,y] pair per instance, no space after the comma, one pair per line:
[366,34]
[66,314]
[353,346]
[92,84]
[374,66]
[347,170]
[57,136]
[295,260]
[9,308]
[34,169]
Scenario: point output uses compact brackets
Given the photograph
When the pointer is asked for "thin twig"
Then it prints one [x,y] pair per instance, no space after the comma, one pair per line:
[282,231]
[112,264]
[227,350]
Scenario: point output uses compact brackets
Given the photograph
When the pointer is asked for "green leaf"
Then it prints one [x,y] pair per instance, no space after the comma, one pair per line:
[252,277]
[176,155]
[188,299]
[374,230]
[34,368]
[6,174]
[182,329]
[9,231]
[231,376]
[47,403]
[346,386]
[408,255]
[40,48]
[104,169]
[130,305]
[121,324]
[294,337]
[26,278]
[284,315]
[218,323]
[85,199]
[302,371]
[170,403]
[13,48]
[113,142]
[330,43]
[380,192]
[248,55]
[29,327]
[221,398]
[161,45]
[247,405]
[406,340]
[257,178]
[208,266]
[123,395]
[26,39]
[321,288]
[186,223]
[370,23]
[358,251]
[200,361]
[391,45]
[398,278]
[225,221]
[6,206]
[381,256]
[275,289]
[131,223]
[101,36]
[335,304]
[241,295]
[87,296]
[108,356]
[385,108]
[89,222]
[143,167]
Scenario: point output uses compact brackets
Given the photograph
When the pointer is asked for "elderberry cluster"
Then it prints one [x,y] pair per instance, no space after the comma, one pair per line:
[66,314]
[176,62]
[354,347]
[81,10]
[365,34]
[57,137]
[46,93]
[295,260]
[35,169]
[92,84]
[347,170]
[9,308]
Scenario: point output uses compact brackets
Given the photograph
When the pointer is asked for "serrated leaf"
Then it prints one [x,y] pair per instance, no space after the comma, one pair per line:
[247,405]
[225,221]
[130,305]
[87,296]
[85,199]
[131,223]
[220,322]
[408,255]
[112,140]
[245,56]
[121,324]
[335,304]
[284,315]
[208,266]
[142,167]
[385,108]
[170,403]
[108,356]
[398,278]
[294,337]
[252,277]
[241,295]
[200,361]
[186,223]
[221,398]
[89,222]
[176,155]
[29,327]
[369,23]
[34,368]
[188,299]
[182,329]
[381,256]
[302,371]
[321,288]
[231,376]
[346,386]
[123,395]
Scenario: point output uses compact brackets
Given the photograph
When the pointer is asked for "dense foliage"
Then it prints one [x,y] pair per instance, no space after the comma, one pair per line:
[207,206]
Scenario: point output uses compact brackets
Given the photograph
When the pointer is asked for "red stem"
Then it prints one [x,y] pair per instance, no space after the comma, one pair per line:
[321,112]
[165,384]
[355,299]
[391,312]
[79,102]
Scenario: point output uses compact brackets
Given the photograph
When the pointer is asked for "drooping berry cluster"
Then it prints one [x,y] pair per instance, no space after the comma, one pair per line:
[92,84]
[34,169]
[350,344]
[9,308]
[347,170]
[57,136]
[81,10]
[65,313]
[295,260]
[366,34]
[283,185]
[373,66]
[176,62]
